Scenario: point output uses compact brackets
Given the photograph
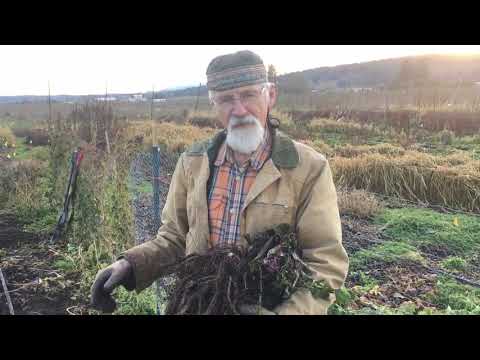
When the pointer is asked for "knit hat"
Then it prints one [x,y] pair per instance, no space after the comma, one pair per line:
[235,70]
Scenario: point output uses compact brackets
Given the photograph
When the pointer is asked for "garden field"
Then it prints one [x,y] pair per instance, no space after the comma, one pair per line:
[409,204]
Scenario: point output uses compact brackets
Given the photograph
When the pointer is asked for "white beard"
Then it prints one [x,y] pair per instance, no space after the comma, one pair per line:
[245,140]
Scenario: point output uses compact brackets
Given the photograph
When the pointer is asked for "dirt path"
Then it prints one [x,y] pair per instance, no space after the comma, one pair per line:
[35,287]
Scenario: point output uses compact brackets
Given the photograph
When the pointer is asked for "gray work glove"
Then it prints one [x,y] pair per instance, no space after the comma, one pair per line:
[119,273]
[254,310]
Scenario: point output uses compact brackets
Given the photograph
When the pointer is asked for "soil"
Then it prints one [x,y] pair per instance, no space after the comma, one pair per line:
[401,282]
[359,234]
[398,284]
[34,286]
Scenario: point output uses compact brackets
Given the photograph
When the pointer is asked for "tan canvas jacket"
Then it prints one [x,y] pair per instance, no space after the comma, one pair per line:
[294,186]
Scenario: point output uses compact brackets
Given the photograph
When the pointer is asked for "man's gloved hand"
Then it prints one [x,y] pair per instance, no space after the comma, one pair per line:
[119,273]
[254,310]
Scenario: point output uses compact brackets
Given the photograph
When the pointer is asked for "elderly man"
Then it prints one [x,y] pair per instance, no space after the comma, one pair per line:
[246,179]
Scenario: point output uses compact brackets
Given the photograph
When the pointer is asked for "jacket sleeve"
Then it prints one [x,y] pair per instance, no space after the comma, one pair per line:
[168,246]
[320,238]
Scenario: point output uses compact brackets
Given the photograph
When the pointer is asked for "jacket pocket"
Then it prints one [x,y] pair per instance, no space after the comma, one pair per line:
[273,205]
[264,215]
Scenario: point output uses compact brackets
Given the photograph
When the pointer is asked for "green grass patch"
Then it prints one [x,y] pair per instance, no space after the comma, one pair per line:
[65,265]
[68,261]
[389,252]
[42,220]
[25,152]
[131,303]
[424,227]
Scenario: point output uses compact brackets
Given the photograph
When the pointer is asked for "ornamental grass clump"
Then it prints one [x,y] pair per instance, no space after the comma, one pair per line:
[266,273]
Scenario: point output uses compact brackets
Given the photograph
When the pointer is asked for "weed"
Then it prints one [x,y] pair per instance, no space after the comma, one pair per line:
[454,263]
[130,303]
[450,295]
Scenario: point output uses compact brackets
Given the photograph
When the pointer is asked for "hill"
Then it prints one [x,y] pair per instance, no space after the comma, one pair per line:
[446,70]
[439,70]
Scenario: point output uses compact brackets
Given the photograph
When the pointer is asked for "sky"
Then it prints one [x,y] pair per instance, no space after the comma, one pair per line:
[93,69]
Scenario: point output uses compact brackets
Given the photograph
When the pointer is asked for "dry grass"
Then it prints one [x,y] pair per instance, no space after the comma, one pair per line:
[343,127]
[204,119]
[176,137]
[357,203]
[351,151]
[458,159]
[319,146]
[7,139]
[19,181]
[415,177]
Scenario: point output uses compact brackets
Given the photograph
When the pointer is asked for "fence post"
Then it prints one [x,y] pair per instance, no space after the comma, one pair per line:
[156,204]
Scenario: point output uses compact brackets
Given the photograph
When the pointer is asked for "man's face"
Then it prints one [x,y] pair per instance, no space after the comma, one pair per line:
[243,112]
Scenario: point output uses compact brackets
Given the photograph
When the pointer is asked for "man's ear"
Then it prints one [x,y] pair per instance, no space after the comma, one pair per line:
[272,92]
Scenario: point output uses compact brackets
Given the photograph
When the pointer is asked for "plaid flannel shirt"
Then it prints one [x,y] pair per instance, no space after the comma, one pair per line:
[229,189]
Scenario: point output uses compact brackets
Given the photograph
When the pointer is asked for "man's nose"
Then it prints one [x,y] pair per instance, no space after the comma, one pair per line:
[239,109]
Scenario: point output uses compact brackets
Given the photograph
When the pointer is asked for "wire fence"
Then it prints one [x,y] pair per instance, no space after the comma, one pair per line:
[150,176]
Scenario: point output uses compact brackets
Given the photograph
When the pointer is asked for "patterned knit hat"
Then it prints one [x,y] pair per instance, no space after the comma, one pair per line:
[231,71]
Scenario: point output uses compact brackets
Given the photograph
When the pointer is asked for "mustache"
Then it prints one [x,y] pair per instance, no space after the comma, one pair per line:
[236,121]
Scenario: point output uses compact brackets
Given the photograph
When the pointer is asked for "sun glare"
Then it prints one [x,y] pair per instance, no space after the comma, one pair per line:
[461,50]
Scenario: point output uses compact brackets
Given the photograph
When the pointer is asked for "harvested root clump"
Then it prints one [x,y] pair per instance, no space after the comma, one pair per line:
[218,282]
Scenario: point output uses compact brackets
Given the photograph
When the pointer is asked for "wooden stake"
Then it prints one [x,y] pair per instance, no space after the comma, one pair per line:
[151,104]
[7,295]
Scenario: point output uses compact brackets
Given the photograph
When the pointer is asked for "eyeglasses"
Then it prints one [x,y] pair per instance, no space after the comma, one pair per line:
[246,97]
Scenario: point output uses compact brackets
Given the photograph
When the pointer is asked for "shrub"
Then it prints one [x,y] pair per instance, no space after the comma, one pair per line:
[357,203]
[446,137]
